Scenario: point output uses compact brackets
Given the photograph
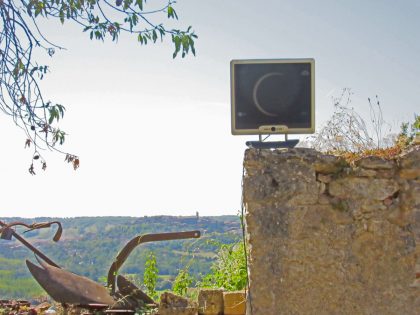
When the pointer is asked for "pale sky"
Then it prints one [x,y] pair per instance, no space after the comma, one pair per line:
[153,133]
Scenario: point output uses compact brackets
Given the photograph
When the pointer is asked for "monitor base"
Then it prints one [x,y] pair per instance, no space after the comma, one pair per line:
[272,144]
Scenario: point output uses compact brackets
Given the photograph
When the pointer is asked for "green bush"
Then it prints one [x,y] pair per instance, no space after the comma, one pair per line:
[409,131]
[182,282]
[229,270]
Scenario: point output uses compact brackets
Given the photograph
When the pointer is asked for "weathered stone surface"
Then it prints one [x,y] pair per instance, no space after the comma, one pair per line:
[377,188]
[234,303]
[362,172]
[328,164]
[410,173]
[325,164]
[171,304]
[210,302]
[411,159]
[400,217]
[296,175]
[375,162]
[350,248]
[324,178]
[386,173]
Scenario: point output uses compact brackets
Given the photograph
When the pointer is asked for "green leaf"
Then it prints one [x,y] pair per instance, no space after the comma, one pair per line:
[177,41]
[61,15]
[191,41]
[33,70]
[170,12]
[52,115]
[61,109]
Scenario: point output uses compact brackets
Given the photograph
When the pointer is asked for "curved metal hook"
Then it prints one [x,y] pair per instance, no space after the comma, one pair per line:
[36,226]
[43,225]
[129,247]
[7,227]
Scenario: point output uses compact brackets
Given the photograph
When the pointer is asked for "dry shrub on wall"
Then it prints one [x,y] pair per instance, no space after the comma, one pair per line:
[348,134]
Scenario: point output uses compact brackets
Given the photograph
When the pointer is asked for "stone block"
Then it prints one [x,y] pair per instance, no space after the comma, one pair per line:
[234,303]
[210,302]
[329,164]
[362,172]
[375,163]
[375,188]
[411,159]
[171,304]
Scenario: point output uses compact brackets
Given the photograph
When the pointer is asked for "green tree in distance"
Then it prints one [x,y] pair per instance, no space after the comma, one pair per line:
[20,36]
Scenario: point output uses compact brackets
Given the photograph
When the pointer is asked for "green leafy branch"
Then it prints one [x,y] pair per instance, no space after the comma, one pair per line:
[150,275]
[20,35]
[182,282]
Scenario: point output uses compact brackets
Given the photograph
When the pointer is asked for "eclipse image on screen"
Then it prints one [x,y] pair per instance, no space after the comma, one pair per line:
[275,94]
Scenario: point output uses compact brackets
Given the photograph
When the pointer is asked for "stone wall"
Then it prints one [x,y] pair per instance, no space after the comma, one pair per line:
[329,238]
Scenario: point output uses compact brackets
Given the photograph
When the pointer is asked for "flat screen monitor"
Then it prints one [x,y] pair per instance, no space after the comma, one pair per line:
[274,96]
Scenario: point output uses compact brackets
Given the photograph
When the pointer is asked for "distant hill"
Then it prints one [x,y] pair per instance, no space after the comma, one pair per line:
[89,245]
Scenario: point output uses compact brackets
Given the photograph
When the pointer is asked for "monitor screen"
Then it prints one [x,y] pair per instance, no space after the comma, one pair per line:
[272,96]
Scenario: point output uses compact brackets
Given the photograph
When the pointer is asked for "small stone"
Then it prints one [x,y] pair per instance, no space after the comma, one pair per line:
[388,201]
[329,164]
[324,178]
[234,303]
[400,218]
[373,206]
[341,218]
[210,302]
[323,200]
[322,188]
[40,308]
[411,159]
[375,163]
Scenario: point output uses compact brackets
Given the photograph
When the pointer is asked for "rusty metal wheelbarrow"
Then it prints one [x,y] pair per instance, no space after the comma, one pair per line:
[69,288]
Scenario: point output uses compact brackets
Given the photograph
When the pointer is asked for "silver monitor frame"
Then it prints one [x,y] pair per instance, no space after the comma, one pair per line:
[272,129]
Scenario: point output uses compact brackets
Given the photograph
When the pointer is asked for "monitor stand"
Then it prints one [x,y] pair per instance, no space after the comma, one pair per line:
[260,144]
